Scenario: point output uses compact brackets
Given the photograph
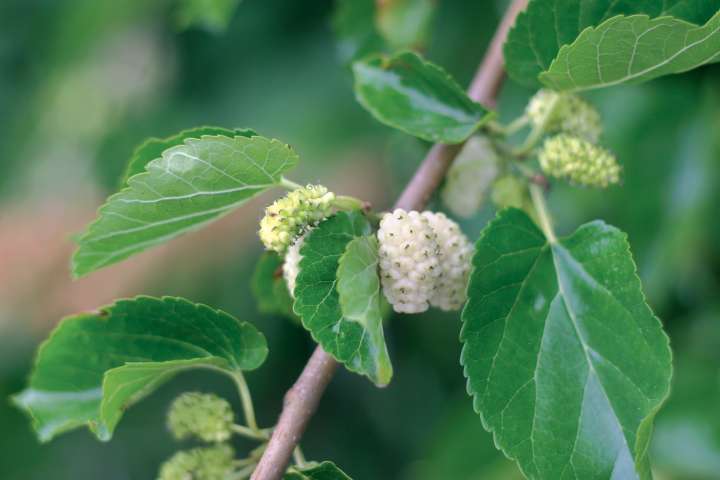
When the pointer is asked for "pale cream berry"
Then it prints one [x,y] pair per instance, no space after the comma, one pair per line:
[290,216]
[579,161]
[291,266]
[470,177]
[408,260]
[455,255]
[202,415]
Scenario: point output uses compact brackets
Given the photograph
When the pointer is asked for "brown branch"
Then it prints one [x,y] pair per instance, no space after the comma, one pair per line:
[302,399]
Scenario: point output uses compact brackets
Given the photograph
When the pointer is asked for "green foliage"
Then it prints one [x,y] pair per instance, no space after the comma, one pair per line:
[211,15]
[632,50]
[413,95]
[153,148]
[190,185]
[546,25]
[566,363]
[314,471]
[405,24]
[358,287]
[349,340]
[270,288]
[95,365]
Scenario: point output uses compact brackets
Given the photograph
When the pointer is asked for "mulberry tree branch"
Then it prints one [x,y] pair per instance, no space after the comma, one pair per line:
[302,399]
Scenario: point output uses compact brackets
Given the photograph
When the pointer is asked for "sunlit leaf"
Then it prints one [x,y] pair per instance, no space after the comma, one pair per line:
[187,187]
[413,95]
[152,148]
[95,365]
[632,50]
[546,25]
[405,23]
[565,361]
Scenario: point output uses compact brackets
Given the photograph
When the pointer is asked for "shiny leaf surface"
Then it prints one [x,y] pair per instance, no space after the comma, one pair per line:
[188,186]
[565,361]
[318,471]
[413,95]
[95,365]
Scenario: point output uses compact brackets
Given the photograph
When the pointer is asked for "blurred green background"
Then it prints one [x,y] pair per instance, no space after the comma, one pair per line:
[82,83]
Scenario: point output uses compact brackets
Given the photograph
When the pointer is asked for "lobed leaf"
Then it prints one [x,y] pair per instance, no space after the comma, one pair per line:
[189,186]
[632,50]
[355,341]
[95,365]
[316,471]
[413,95]
[153,147]
[546,25]
[566,363]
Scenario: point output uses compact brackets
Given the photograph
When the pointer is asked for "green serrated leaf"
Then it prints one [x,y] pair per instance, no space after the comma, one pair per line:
[546,25]
[189,186]
[413,95]
[632,50]
[566,363]
[269,287]
[316,471]
[317,301]
[405,24]
[358,287]
[95,365]
[153,148]
[354,25]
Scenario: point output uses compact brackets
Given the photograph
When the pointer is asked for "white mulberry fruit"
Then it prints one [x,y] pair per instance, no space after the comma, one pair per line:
[203,463]
[289,217]
[564,112]
[455,255]
[408,260]
[579,161]
[202,415]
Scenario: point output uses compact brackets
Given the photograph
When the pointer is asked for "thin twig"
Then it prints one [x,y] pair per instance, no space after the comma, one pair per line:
[302,399]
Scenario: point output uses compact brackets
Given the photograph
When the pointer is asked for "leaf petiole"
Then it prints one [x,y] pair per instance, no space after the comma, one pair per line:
[538,198]
[246,399]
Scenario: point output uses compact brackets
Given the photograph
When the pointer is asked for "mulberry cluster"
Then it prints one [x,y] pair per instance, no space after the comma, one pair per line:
[205,463]
[578,160]
[455,254]
[424,260]
[470,177]
[564,112]
[289,217]
[202,415]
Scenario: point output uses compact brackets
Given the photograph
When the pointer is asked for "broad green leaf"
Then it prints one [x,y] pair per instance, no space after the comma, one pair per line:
[566,363]
[546,25]
[358,287]
[406,92]
[316,471]
[354,25]
[153,148]
[211,15]
[95,365]
[317,301]
[190,185]
[269,287]
[405,23]
[632,50]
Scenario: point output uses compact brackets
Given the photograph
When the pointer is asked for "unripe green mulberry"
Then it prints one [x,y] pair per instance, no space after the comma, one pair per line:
[579,161]
[202,415]
[455,254]
[408,260]
[564,112]
[205,463]
[289,217]
[470,177]
[291,266]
